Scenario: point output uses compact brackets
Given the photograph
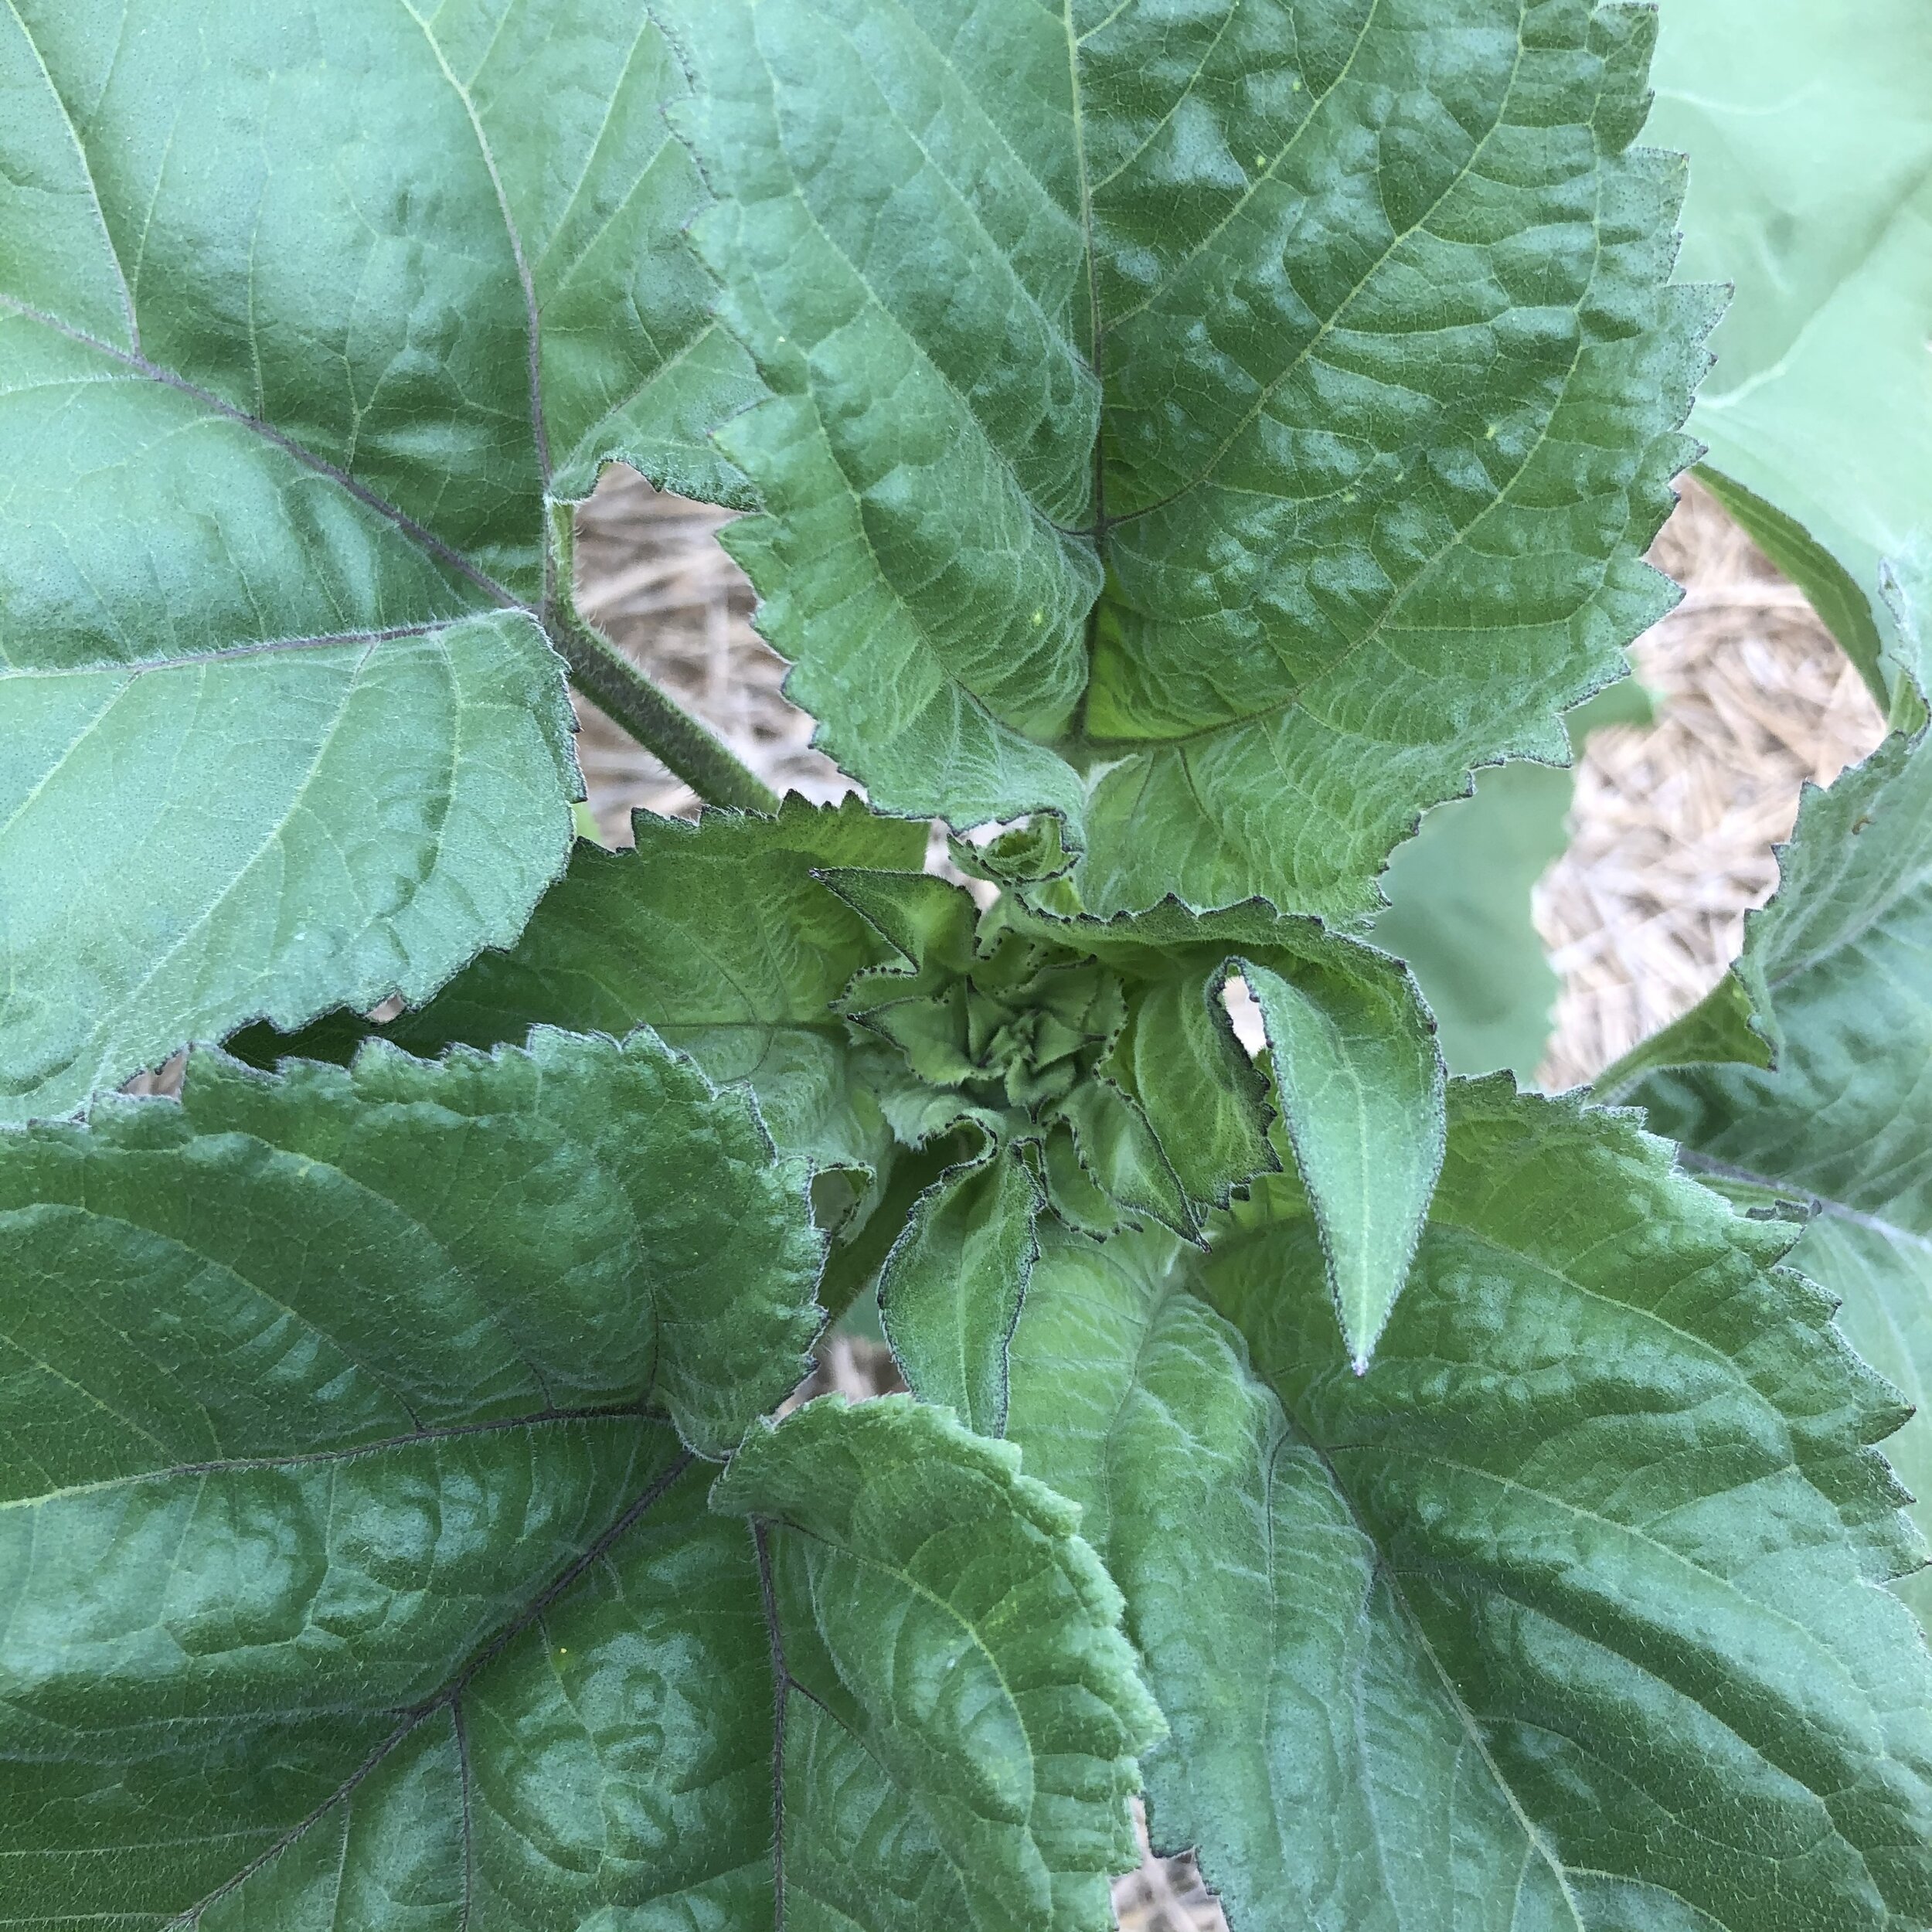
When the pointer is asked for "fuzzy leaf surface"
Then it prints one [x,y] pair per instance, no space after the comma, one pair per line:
[302,317]
[1223,426]
[351,1575]
[1564,1616]
[953,1286]
[1835,990]
[717,936]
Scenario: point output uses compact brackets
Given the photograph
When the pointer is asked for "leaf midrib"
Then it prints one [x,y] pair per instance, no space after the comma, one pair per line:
[1533,1834]
[450,1695]
[539,429]
[425,539]
[351,1452]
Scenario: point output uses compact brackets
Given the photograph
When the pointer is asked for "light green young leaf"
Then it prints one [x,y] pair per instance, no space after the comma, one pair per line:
[951,1288]
[1564,1616]
[717,936]
[349,1577]
[1459,892]
[960,1714]
[1223,426]
[1844,609]
[1827,1020]
[303,316]
[1809,127]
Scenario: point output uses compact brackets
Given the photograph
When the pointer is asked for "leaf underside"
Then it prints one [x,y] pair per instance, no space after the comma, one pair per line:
[1811,126]
[1564,1616]
[351,1575]
[302,317]
[1222,426]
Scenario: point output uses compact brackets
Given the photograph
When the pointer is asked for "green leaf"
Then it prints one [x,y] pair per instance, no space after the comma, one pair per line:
[516,1195]
[1563,1615]
[1221,425]
[1460,892]
[1843,608]
[1100,1051]
[718,936]
[952,1287]
[1356,1074]
[1809,127]
[302,319]
[960,1714]
[1362,1108]
[1826,1018]
[350,1576]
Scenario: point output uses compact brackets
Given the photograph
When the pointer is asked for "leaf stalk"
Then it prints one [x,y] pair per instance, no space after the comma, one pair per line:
[666,729]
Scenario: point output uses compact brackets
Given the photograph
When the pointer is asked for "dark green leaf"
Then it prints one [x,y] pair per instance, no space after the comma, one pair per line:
[959,1712]
[1563,1615]
[1833,990]
[303,317]
[1254,411]
[347,1579]
[501,1229]
[717,936]
[952,1287]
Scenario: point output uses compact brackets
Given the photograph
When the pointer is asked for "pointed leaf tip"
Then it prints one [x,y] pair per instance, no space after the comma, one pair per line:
[1361,1085]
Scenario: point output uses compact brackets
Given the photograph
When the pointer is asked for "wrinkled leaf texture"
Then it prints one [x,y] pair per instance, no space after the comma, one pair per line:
[1802,1079]
[1223,426]
[744,939]
[1566,1616]
[304,314]
[352,1575]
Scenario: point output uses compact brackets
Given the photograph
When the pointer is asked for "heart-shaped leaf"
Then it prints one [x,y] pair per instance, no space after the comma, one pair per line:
[306,319]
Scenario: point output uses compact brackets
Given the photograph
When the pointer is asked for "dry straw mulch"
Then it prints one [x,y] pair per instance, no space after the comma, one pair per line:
[1672,828]
[1674,822]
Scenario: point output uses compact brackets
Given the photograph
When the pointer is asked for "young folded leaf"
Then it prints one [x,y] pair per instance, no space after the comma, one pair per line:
[1363,1110]
[351,1575]
[1221,425]
[1832,991]
[951,1288]
[718,936]
[1563,1615]
[303,317]
[853,996]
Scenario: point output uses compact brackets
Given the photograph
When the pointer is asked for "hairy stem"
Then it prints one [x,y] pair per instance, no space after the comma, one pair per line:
[629,698]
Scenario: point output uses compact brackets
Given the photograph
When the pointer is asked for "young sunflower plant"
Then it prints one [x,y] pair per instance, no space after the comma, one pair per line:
[1182,440]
